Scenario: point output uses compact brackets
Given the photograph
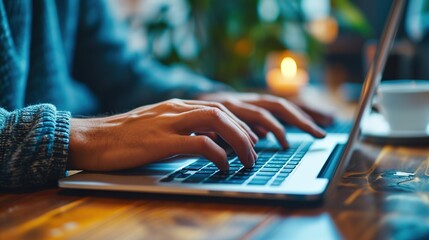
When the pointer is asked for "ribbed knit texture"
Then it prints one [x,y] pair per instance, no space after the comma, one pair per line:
[33,145]
[71,54]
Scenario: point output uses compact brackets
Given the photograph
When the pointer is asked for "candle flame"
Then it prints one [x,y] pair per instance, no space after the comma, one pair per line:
[288,67]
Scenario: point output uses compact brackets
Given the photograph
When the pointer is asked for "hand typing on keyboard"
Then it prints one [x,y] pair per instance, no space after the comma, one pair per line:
[184,127]
[271,168]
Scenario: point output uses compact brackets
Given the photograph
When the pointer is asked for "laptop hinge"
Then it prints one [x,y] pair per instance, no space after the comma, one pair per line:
[331,164]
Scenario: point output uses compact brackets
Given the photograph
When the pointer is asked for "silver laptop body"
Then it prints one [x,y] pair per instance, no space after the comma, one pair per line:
[323,163]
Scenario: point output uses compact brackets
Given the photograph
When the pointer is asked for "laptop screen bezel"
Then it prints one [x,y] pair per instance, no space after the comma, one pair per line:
[372,80]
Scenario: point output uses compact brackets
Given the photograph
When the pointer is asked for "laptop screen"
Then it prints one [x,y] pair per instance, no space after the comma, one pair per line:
[372,80]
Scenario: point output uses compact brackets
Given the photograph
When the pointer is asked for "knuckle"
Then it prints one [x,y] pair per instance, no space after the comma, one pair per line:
[287,104]
[262,113]
[176,104]
[204,142]
[174,100]
[230,101]
[218,105]
[279,103]
[267,97]
[214,113]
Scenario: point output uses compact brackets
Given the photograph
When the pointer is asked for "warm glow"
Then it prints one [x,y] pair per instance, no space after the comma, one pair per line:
[325,30]
[289,67]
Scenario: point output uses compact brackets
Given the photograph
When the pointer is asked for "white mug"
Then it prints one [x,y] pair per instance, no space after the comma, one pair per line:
[405,104]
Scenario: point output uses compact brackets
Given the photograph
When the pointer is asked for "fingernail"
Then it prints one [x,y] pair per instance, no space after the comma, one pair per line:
[286,144]
[251,156]
[225,169]
[317,131]
[255,155]
[254,137]
[321,132]
[283,141]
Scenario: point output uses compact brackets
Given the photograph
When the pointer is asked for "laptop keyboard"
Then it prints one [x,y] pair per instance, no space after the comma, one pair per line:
[336,127]
[272,168]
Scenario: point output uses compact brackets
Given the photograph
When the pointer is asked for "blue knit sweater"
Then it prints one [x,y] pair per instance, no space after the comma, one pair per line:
[63,58]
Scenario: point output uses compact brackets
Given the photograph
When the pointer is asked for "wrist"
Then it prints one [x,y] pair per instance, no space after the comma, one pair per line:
[81,145]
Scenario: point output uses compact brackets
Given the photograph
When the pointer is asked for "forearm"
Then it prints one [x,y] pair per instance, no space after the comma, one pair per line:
[33,146]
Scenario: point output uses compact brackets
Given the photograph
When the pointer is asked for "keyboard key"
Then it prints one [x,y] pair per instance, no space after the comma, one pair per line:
[211,168]
[240,177]
[286,170]
[268,169]
[198,174]
[221,175]
[234,164]
[290,166]
[249,170]
[292,162]
[257,182]
[270,165]
[193,168]
[279,178]
[177,173]
[264,155]
[275,161]
[282,175]
[207,171]
[197,165]
[244,174]
[266,174]
[184,175]
[234,168]
[262,178]
[195,178]
[279,158]
[276,183]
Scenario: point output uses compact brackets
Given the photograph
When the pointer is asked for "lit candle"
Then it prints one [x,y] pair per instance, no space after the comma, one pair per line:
[288,80]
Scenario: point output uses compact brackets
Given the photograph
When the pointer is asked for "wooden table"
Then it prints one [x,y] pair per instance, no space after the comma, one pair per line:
[383,194]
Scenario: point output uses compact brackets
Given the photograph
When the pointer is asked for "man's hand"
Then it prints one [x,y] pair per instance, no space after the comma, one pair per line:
[261,112]
[154,132]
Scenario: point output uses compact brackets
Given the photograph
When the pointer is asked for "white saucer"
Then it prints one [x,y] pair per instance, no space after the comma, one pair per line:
[376,129]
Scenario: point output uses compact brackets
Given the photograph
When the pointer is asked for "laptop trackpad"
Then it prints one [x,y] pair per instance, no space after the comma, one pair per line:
[155,169]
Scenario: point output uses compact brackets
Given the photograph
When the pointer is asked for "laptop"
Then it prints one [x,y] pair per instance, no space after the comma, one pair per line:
[304,172]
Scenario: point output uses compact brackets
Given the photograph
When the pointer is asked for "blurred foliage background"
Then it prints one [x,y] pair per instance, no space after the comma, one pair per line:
[230,40]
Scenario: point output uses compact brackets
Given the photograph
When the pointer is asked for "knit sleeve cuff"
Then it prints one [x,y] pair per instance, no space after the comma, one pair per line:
[61,146]
[34,143]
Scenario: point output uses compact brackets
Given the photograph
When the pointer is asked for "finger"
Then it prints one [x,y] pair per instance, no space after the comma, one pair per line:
[270,123]
[179,106]
[320,117]
[212,135]
[258,116]
[289,113]
[201,104]
[260,131]
[236,120]
[203,146]
[214,120]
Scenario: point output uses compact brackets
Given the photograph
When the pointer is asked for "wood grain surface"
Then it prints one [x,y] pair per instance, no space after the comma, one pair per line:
[383,195]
